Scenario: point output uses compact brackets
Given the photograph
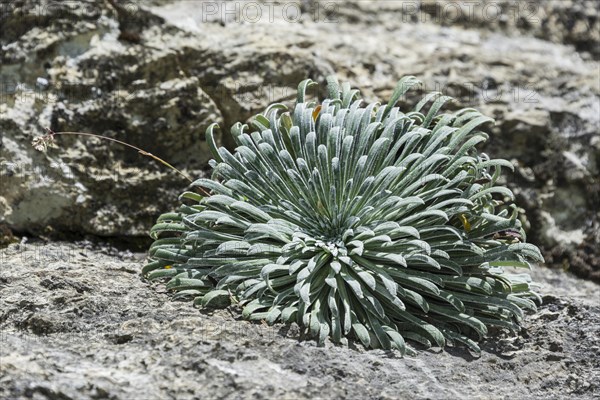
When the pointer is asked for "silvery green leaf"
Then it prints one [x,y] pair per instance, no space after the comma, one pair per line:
[216,299]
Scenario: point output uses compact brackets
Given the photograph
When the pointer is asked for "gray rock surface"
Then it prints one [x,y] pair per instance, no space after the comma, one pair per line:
[77,322]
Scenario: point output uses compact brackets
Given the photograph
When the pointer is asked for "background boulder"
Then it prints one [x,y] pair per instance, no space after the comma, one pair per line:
[156,74]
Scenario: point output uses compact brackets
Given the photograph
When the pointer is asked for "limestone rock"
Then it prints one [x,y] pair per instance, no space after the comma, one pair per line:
[180,67]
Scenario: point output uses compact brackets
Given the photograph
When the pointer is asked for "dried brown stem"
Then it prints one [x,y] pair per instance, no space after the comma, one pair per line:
[51,135]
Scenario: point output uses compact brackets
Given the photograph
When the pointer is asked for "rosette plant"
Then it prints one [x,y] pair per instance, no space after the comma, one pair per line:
[354,220]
